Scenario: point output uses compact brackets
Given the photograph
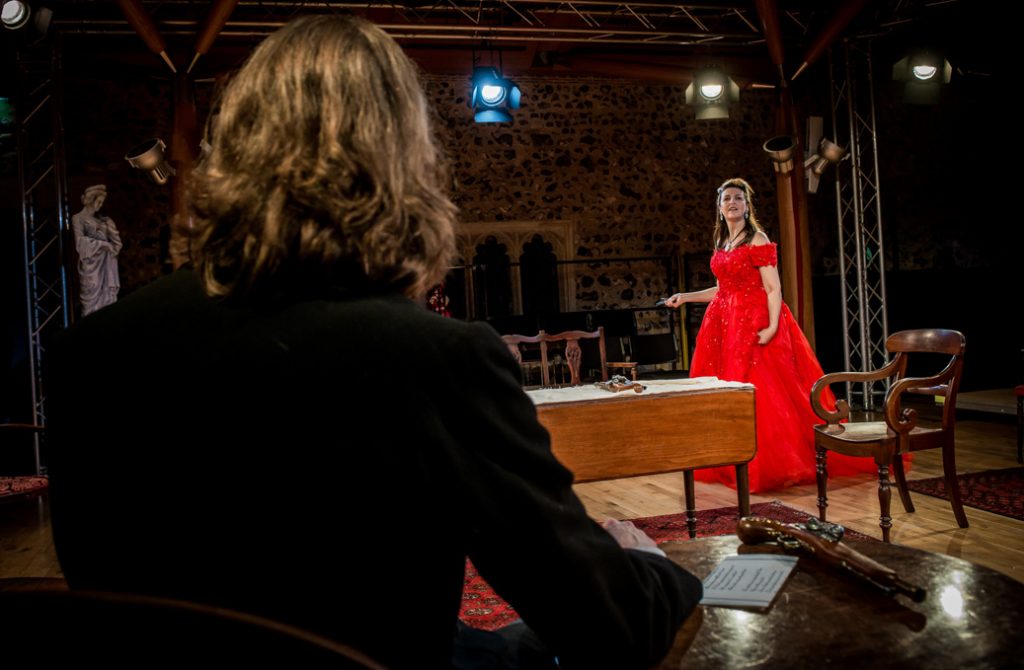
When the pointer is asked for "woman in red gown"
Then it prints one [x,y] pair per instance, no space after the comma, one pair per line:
[749,335]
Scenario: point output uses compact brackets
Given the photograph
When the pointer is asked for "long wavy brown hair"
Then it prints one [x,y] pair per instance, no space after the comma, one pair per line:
[323,172]
[752,227]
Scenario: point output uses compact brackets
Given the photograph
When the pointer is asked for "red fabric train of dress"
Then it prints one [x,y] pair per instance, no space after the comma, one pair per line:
[781,371]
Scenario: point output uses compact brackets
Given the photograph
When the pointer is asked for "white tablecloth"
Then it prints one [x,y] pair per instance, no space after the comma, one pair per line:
[592,392]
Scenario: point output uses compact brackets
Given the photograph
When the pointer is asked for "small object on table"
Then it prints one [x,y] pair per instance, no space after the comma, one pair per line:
[619,383]
[822,540]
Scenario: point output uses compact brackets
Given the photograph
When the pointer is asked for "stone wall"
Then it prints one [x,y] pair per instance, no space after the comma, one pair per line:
[626,162]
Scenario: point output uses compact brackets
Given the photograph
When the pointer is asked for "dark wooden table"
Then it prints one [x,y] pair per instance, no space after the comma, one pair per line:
[971,618]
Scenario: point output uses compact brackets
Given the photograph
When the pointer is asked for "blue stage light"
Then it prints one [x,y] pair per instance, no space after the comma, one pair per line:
[492,96]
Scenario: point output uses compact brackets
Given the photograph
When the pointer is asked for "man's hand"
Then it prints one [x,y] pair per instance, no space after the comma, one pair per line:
[628,536]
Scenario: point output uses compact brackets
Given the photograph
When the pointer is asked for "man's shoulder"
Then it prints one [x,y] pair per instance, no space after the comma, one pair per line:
[177,291]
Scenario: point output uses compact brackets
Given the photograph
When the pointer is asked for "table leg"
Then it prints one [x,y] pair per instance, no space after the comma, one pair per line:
[691,503]
[743,489]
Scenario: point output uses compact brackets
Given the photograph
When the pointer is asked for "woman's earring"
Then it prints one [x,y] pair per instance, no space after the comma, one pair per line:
[746,215]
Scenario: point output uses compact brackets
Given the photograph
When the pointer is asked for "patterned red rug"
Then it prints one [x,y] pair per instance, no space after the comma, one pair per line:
[997,491]
[483,608]
[22,486]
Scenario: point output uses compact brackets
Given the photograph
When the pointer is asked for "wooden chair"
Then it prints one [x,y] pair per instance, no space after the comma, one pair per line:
[513,342]
[43,628]
[573,353]
[886,441]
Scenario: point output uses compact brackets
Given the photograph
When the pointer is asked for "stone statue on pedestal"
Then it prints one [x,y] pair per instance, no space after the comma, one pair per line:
[98,243]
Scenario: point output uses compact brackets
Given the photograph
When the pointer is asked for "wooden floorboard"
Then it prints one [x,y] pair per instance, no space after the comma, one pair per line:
[982,444]
[26,546]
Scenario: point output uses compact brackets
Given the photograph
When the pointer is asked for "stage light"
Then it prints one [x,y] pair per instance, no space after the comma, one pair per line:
[149,156]
[923,71]
[828,153]
[15,14]
[18,14]
[780,150]
[711,92]
[492,96]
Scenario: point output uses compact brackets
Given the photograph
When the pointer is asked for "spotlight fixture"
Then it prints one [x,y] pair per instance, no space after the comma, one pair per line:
[17,14]
[828,153]
[780,149]
[924,71]
[492,96]
[711,92]
[149,156]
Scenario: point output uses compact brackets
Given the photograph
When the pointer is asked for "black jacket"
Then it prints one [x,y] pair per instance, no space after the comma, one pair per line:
[332,463]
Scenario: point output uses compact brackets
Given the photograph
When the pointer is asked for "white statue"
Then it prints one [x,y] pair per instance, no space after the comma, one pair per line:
[98,243]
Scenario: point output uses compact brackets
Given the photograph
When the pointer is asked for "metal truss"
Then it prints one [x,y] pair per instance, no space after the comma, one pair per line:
[44,209]
[859,217]
[650,22]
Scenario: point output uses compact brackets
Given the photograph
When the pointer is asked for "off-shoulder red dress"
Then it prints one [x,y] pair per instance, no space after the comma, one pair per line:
[781,371]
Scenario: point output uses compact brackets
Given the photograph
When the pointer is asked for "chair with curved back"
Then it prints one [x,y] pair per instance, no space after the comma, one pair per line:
[574,354]
[118,630]
[515,342]
[886,441]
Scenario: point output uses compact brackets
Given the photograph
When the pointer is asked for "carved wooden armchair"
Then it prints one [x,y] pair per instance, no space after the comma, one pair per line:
[886,441]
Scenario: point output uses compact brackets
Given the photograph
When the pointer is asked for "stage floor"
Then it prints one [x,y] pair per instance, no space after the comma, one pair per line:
[997,401]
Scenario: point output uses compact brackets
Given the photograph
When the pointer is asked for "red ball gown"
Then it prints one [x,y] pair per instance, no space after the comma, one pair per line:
[781,371]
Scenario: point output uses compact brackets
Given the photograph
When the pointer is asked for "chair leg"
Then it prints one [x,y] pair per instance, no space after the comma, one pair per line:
[952,485]
[901,482]
[821,474]
[691,503]
[884,501]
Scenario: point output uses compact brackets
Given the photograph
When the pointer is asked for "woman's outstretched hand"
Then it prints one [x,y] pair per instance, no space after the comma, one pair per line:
[675,301]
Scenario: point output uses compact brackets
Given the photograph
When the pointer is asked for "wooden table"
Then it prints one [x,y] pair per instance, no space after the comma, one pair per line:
[970,618]
[677,425]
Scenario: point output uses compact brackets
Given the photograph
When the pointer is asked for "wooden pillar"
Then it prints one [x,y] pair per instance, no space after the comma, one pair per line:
[794,238]
[794,232]
[184,149]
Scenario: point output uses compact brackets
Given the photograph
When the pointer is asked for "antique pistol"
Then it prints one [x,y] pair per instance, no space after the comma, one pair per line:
[821,540]
[619,383]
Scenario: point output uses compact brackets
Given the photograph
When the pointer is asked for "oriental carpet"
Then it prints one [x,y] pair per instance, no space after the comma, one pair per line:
[996,491]
[483,608]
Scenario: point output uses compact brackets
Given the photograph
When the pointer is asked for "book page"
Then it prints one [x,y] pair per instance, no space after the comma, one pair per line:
[748,580]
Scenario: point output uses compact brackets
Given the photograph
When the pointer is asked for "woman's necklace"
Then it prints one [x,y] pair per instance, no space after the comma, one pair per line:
[731,244]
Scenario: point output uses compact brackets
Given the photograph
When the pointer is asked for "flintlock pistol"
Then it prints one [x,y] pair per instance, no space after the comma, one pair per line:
[822,540]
